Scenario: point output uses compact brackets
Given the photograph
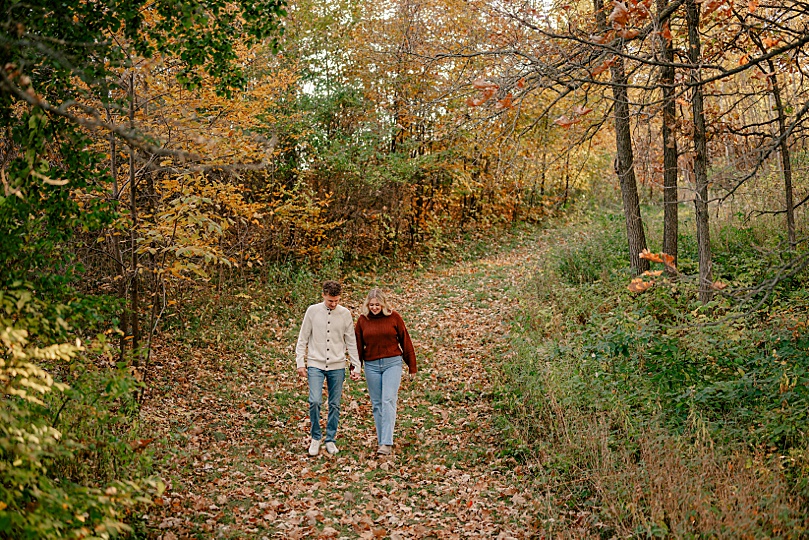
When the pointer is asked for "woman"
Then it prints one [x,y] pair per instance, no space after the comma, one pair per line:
[383,343]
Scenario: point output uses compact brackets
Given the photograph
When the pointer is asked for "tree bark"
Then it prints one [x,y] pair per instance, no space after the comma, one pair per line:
[133,235]
[785,156]
[116,241]
[783,145]
[624,161]
[700,155]
[670,212]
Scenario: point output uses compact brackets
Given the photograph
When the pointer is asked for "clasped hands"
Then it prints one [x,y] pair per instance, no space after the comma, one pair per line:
[354,374]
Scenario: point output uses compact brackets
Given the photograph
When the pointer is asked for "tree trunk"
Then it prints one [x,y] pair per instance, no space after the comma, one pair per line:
[785,157]
[700,155]
[624,161]
[133,307]
[670,213]
[116,241]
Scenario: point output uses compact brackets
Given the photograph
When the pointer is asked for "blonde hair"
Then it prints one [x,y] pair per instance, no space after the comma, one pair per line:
[380,296]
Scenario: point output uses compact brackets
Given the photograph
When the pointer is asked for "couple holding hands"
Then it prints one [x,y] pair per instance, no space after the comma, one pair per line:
[379,341]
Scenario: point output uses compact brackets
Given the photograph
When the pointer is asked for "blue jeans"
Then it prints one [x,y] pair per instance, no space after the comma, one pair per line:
[334,381]
[384,377]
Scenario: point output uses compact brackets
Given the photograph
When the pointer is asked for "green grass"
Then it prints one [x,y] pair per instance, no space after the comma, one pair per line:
[609,391]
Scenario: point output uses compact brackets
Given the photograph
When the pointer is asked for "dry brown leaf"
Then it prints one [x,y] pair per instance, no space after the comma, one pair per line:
[619,16]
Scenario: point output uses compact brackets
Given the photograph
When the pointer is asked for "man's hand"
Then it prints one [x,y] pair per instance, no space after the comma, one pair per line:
[302,372]
[353,373]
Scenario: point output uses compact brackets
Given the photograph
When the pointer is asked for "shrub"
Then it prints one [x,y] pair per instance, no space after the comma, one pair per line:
[46,489]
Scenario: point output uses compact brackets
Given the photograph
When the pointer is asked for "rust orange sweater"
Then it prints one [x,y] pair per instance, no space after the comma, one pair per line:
[383,336]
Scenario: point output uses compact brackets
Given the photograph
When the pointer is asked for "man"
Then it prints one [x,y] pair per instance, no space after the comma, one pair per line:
[326,333]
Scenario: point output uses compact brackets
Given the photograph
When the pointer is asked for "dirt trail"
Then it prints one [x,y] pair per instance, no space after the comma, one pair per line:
[234,429]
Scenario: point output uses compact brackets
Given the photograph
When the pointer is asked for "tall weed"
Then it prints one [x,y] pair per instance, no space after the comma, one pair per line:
[653,415]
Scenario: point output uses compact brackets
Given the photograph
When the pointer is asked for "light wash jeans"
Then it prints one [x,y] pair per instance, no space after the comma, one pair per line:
[334,381]
[384,377]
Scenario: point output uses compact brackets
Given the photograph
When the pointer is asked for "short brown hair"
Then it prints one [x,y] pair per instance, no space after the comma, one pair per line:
[332,288]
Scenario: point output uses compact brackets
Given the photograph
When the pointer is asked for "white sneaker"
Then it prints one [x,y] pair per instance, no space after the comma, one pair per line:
[331,448]
[314,448]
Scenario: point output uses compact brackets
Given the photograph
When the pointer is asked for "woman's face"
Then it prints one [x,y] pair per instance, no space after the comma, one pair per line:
[374,306]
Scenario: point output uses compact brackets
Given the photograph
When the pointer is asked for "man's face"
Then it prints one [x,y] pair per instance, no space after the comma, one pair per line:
[331,301]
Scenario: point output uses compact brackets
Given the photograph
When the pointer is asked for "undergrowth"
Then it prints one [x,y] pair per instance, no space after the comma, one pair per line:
[653,415]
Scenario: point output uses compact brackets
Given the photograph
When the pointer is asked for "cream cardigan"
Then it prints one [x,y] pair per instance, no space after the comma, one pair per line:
[325,336]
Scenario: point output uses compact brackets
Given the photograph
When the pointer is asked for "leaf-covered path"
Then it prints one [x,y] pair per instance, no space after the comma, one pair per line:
[233,427]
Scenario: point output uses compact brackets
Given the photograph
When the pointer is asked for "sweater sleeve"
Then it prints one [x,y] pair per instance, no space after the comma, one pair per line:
[360,340]
[408,352]
[350,339]
[303,339]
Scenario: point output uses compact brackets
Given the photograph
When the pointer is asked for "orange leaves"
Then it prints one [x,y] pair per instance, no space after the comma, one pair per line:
[663,258]
[665,33]
[619,16]
[578,112]
[483,98]
[718,6]
[771,42]
[622,14]
[566,122]
[752,6]
[505,103]
[639,284]
[488,90]
[139,444]
[483,84]
[604,66]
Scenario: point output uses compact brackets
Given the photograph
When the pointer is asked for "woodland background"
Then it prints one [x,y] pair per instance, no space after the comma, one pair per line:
[156,157]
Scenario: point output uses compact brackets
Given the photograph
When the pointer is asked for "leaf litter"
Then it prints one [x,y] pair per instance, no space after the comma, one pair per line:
[230,423]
